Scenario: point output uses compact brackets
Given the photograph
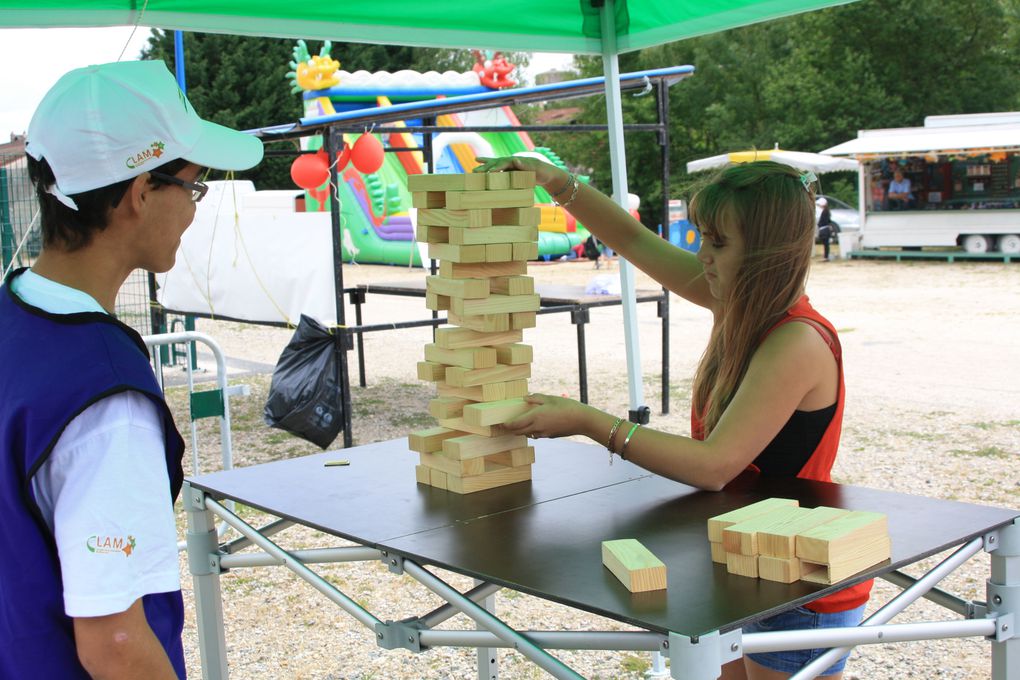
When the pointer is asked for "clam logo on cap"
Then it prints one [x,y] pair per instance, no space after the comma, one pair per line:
[155,150]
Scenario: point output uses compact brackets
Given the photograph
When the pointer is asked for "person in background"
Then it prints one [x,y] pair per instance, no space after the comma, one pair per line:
[90,458]
[768,394]
[824,226]
[900,196]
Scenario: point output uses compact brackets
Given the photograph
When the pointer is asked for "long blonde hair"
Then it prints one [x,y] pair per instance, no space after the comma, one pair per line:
[772,206]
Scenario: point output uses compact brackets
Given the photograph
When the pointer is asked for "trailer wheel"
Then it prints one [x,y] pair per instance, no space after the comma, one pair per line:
[1009,244]
[977,243]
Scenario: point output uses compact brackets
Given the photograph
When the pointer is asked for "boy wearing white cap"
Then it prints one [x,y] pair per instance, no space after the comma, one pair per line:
[90,459]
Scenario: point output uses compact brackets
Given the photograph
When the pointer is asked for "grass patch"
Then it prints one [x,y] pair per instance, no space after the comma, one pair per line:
[991,425]
[413,420]
[984,452]
[635,664]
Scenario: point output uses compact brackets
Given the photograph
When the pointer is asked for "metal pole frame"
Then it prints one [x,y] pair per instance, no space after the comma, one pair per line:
[695,658]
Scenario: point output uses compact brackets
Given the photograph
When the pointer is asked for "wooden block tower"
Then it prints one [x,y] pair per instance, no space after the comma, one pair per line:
[483,229]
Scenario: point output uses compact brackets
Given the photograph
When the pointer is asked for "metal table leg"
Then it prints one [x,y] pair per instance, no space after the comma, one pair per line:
[203,562]
[579,317]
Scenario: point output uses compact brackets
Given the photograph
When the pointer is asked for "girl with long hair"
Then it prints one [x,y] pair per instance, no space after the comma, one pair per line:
[768,392]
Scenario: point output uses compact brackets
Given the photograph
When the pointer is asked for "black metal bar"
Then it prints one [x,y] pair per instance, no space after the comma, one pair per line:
[342,376]
[357,296]
[579,127]
[662,95]
[579,317]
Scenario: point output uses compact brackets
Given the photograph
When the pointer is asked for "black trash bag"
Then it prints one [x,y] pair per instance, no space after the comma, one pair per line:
[305,397]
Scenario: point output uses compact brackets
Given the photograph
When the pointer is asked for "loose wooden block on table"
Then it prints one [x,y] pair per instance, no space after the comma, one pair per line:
[634,565]
[878,551]
[718,523]
[441,217]
[459,338]
[481,270]
[843,538]
[497,391]
[494,234]
[515,353]
[473,445]
[482,430]
[464,377]
[469,357]
[499,476]
[430,440]
[512,285]
[780,540]
[462,288]
[741,565]
[431,372]
[494,412]
[778,569]
[743,537]
[494,304]
[448,407]
[452,182]
[466,200]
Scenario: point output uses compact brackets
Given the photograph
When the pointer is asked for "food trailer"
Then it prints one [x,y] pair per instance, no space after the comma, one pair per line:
[953,182]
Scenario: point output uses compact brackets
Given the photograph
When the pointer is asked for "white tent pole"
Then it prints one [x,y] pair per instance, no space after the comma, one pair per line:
[618,161]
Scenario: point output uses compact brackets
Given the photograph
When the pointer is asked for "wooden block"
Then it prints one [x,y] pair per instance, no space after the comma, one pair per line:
[437,478]
[465,427]
[483,323]
[522,179]
[524,251]
[459,468]
[634,564]
[466,377]
[430,440]
[495,234]
[497,252]
[462,288]
[742,537]
[451,182]
[841,539]
[501,476]
[495,412]
[469,357]
[525,217]
[514,458]
[718,552]
[718,523]
[507,198]
[428,199]
[473,445]
[455,253]
[448,407]
[741,565]
[522,320]
[431,372]
[437,302]
[458,338]
[495,304]
[780,540]
[495,181]
[513,354]
[424,233]
[512,285]
[421,474]
[441,217]
[481,270]
[497,391]
[784,570]
[878,551]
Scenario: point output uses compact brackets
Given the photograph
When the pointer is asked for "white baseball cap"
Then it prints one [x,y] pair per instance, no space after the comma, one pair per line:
[821,202]
[103,124]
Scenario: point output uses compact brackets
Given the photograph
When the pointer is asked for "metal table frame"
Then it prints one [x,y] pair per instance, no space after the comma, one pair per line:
[695,657]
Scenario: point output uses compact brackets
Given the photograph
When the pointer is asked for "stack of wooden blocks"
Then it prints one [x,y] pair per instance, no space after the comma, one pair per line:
[777,540]
[483,229]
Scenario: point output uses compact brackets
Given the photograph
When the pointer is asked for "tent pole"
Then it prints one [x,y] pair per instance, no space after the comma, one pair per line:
[618,160]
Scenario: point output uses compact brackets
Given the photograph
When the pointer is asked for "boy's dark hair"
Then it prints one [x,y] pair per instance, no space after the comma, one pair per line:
[591,248]
[73,229]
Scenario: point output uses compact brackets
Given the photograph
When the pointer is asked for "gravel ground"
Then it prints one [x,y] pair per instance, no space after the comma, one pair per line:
[933,382]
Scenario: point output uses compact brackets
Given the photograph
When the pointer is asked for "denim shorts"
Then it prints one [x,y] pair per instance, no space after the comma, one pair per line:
[793,660]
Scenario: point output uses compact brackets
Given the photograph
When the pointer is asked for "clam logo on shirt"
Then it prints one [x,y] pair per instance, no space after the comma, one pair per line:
[102,545]
[154,150]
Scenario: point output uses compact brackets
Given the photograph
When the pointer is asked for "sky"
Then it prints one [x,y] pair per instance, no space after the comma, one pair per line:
[48,53]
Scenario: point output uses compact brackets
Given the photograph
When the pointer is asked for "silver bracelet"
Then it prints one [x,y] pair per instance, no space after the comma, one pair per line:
[566,185]
[573,194]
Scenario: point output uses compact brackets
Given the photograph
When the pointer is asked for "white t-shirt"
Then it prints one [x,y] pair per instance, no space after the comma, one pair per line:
[104,489]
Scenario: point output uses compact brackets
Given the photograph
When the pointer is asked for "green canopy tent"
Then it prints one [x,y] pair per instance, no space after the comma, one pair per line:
[595,27]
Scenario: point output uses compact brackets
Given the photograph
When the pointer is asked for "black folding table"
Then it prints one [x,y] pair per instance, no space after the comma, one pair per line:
[544,537]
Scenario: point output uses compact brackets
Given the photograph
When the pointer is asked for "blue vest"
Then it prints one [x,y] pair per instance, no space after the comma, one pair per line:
[52,367]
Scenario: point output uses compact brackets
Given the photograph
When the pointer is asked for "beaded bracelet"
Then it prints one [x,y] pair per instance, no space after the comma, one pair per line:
[566,185]
[623,449]
[612,436]
[573,194]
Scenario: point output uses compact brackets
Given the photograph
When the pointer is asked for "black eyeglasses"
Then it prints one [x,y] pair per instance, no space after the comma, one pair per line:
[198,189]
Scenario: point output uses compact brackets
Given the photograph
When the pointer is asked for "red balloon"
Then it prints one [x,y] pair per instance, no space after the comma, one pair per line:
[367,154]
[309,170]
[343,157]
